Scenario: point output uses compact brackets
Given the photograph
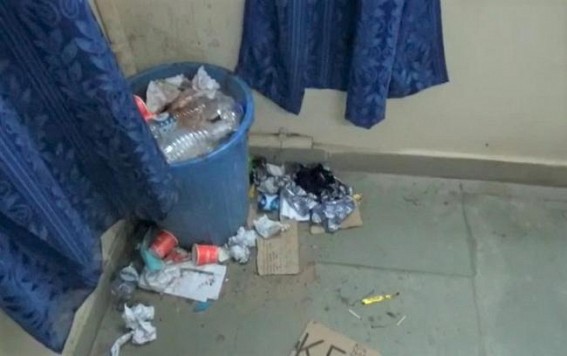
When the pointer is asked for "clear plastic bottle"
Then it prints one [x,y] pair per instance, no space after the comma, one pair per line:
[162,125]
[185,144]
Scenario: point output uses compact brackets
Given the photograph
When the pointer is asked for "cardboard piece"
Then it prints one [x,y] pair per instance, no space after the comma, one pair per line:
[279,254]
[318,340]
[353,220]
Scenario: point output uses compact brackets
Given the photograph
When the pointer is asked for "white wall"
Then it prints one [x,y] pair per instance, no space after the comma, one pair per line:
[507,59]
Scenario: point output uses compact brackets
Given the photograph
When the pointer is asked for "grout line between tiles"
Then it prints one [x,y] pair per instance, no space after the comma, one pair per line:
[393,269]
[473,249]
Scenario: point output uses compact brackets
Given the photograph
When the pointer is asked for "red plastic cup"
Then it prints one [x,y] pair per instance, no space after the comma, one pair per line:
[205,254]
[163,244]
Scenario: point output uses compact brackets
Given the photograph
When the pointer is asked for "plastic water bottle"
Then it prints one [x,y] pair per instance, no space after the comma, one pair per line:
[162,125]
[184,144]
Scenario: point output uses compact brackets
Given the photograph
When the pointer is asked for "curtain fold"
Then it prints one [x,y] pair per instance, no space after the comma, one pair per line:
[75,157]
[373,49]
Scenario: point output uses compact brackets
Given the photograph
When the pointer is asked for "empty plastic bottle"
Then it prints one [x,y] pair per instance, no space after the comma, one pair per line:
[184,144]
[162,125]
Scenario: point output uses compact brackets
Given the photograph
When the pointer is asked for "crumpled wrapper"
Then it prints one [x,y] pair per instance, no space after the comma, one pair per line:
[203,84]
[138,320]
[239,253]
[268,228]
[239,244]
[331,214]
[243,237]
[162,92]
[298,199]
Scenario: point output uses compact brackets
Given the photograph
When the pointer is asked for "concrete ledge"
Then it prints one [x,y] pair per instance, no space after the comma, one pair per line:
[431,166]
[89,316]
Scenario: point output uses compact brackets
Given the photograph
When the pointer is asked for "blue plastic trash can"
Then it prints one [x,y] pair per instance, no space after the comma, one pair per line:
[213,201]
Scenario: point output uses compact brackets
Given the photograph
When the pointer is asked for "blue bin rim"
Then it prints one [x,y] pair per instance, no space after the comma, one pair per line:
[245,124]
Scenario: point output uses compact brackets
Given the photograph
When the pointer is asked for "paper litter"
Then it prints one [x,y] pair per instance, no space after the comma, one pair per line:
[186,280]
[138,320]
[239,244]
[203,84]
[239,253]
[268,228]
[163,91]
[243,237]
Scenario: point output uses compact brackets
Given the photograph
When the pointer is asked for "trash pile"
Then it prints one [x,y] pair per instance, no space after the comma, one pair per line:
[288,194]
[189,118]
[303,193]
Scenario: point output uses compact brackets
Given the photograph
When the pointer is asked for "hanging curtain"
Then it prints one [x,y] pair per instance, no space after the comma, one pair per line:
[373,49]
[74,158]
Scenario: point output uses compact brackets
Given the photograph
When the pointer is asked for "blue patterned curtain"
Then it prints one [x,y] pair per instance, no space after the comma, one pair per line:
[373,49]
[74,158]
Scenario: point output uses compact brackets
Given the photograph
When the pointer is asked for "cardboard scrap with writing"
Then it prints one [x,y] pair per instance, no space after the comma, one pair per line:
[318,340]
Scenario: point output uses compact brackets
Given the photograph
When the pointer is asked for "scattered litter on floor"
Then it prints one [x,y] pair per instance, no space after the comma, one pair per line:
[243,237]
[164,242]
[208,254]
[331,214]
[240,254]
[306,193]
[287,194]
[151,261]
[401,320]
[379,298]
[186,280]
[354,314]
[138,320]
[239,245]
[318,340]
[352,221]
[268,228]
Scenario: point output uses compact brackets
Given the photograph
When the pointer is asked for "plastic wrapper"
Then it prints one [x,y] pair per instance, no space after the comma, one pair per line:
[204,84]
[268,228]
[298,199]
[320,181]
[331,214]
[162,92]
[268,202]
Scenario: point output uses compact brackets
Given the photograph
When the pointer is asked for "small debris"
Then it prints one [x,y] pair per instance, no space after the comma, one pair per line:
[379,298]
[200,307]
[354,314]
[401,320]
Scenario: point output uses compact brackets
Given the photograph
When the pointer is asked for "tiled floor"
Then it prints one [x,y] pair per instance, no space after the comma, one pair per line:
[481,269]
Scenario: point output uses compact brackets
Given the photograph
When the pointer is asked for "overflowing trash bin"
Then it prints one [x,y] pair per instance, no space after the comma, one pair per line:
[208,158]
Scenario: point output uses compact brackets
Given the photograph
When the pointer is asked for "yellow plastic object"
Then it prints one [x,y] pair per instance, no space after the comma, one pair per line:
[379,298]
[252,192]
